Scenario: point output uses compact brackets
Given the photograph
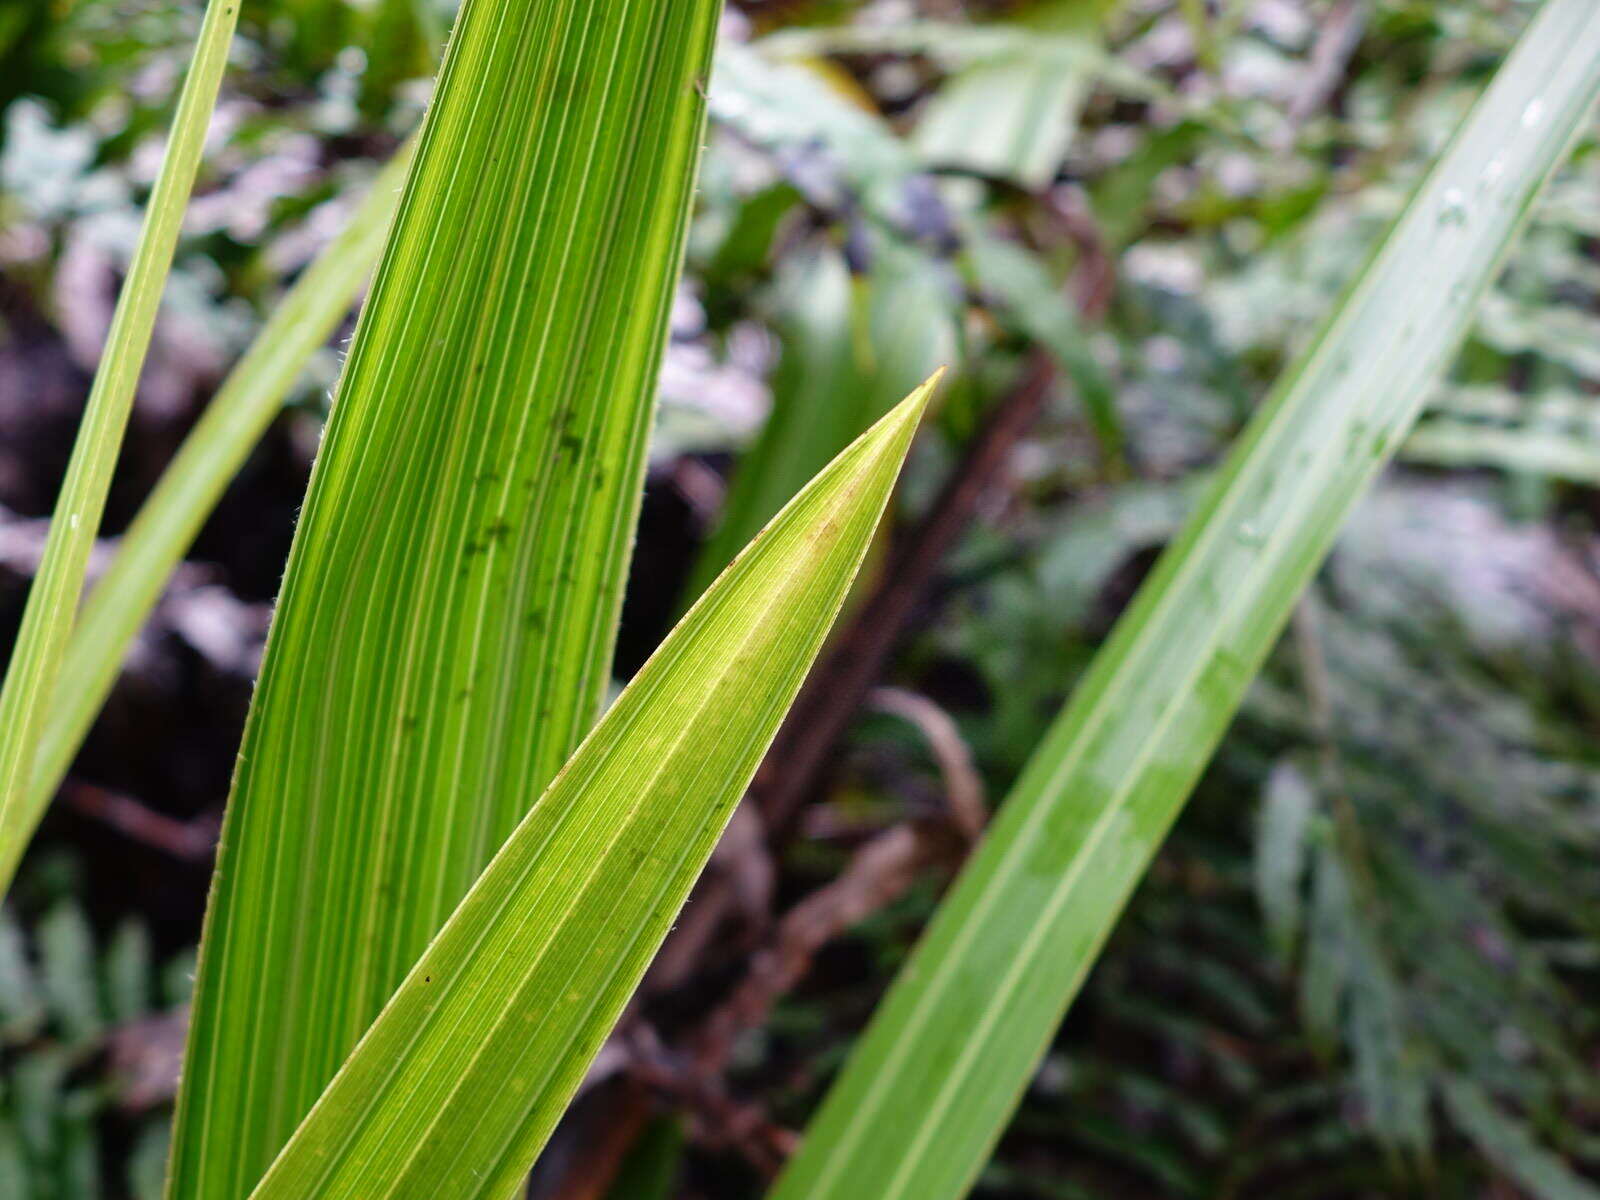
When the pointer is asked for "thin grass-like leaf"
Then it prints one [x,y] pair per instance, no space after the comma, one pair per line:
[448,613]
[459,1082]
[935,1077]
[1283,836]
[166,525]
[32,678]
[1026,296]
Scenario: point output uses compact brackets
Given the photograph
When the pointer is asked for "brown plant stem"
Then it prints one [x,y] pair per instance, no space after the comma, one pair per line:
[188,841]
[878,873]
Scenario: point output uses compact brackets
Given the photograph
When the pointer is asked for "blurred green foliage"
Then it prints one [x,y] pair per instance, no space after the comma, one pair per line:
[1368,962]
[86,1046]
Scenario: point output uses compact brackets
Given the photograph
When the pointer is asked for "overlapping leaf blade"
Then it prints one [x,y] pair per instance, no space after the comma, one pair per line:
[458,1083]
[167,523]
[446,623]
[929,1088]
[32,675]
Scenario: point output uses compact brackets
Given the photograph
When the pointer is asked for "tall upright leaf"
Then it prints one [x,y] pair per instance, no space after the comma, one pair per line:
[457,1085]
[30,681]
[447,617]
[935,1077]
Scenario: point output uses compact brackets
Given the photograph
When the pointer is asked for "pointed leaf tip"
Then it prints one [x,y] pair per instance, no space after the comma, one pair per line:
[478,1052]
[900,422]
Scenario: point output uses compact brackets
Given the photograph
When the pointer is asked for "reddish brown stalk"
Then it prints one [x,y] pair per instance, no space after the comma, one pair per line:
[190,841]
[145,1057]
[878,874]
[1330,61]
[610,1135]
[1094,280]
[717,1118]
[963,785]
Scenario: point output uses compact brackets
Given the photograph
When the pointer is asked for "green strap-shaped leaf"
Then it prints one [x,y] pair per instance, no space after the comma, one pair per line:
[929,1088]
[31,678]
[168,522]
[1557,454]
[445,629]
[460,1081]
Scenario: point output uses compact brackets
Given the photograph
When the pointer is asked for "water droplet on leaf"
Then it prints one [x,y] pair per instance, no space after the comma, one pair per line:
[1453,211]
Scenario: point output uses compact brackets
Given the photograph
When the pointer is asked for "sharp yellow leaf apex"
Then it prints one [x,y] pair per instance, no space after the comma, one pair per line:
[900,422]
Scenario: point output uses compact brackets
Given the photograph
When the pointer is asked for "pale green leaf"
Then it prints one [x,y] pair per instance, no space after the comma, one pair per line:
[1566,336]
[957,47]
[787,108]
[1012,116]
[448,612]
[1029,299]
[32,676]
[129,972]
[147,1163]
[1389,1079]
[932,1082]
[461,1079]
[13,1162]
[1329,961]
[21,1002]
[1446,443]
[67,972]
[1012,120]
[1282,833]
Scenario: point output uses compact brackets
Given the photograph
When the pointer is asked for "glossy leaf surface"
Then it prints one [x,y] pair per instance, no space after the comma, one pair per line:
[932,1082]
